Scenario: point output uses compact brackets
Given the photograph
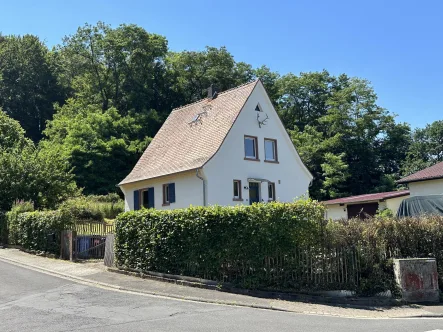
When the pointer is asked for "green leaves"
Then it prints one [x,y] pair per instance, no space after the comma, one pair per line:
[210,242]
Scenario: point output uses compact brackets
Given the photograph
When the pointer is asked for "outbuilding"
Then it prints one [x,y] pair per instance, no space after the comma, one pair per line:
[363,206]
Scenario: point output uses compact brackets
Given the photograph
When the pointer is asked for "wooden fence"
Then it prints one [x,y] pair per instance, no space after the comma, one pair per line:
[92,228]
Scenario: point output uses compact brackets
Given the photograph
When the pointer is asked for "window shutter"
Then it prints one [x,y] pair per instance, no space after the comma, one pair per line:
[172,193]
[136,200]
[151,197]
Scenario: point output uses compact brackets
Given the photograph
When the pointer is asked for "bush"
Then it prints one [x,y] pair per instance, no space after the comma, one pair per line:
[216,242]
[94,207]
[39,230]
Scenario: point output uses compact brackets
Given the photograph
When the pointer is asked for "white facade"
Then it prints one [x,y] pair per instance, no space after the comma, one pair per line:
[429,187]
[188,190]
[290,176]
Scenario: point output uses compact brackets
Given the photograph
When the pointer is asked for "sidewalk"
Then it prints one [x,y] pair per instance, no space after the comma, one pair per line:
[96,274]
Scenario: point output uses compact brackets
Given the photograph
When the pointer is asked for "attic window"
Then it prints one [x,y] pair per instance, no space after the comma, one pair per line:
[258,108]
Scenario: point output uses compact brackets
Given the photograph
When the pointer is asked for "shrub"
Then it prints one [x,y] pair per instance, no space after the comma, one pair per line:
[3,228]
[94,208]
[213,242]
[39,230]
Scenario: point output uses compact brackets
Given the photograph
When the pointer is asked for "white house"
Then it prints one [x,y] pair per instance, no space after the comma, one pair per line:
[230,148]
[428,181]
[362,206]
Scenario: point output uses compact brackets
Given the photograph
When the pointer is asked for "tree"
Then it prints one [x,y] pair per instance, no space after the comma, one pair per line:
[28,87]
[101,145]
[193,72]
[349,143]
[28,173]
[121,68]
[426,148]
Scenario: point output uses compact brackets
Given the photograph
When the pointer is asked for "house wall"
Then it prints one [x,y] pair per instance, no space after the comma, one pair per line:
[188,191]
[335,212]
[430,187]
[394,203]
[290,176]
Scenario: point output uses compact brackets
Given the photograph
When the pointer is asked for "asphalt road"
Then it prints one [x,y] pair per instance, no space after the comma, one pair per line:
[33,301]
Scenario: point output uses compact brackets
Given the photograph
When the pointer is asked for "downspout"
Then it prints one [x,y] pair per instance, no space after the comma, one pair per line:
[204,186]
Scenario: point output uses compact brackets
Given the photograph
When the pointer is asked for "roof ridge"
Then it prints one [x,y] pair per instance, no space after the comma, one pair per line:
[223,92]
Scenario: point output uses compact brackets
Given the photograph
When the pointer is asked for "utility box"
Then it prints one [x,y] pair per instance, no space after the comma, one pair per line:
[417,279]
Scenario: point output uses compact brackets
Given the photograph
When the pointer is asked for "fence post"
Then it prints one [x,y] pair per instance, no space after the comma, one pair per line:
[67,245]
[109,250]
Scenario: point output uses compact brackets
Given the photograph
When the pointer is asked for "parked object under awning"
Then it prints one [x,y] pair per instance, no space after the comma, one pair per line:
[421,205]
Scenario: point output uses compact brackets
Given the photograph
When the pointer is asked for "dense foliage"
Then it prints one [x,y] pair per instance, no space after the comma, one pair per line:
[38,230]
[94,102]
[276,246]
[213,241]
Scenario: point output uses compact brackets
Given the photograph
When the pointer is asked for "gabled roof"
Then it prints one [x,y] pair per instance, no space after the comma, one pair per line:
[180,146]
[367,197]
[430,173]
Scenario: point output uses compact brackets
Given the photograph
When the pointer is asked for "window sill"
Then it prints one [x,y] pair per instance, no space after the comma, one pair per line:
[272,161]
[252,159]
[238,199]
[166,204]
[271,200]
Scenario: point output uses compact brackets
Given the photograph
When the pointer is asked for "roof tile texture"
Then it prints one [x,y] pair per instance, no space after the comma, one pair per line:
[180,146]
[433,172]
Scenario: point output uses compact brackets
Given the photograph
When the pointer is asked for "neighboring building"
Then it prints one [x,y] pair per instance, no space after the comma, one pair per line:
[362,206]
[228,149]
[428,181]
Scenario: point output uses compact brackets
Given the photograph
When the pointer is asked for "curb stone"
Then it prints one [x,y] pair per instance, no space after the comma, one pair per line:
[350,302]
[197,299]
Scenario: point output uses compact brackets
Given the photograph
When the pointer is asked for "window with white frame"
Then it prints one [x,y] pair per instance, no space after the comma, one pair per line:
[237,190]
[271,150]
[271,191]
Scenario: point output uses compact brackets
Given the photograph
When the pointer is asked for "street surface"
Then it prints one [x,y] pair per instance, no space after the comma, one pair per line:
[34,301]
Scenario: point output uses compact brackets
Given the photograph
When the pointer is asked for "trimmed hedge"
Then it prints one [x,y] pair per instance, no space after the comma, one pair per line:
[39,230]
[212,242]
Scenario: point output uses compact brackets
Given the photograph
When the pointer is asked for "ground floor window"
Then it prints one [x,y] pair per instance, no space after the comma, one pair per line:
[237,190]
[168,193]
[271,191]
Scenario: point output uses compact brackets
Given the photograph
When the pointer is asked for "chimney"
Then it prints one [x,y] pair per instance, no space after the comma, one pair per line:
[212,92]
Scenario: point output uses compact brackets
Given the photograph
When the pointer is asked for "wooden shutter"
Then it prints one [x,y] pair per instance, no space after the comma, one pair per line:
[172,193]
[136,200]
[151,197]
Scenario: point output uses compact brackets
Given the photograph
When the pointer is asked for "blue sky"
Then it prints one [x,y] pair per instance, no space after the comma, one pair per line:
[397,45]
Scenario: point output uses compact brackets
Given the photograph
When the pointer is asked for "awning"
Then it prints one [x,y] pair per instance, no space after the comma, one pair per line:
[257,180]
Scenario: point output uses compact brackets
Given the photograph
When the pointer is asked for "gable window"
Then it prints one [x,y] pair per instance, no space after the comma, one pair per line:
[251,151]
[271,150]
[147,198]
[258,108]
[237,190]
[168,193]
[271,191]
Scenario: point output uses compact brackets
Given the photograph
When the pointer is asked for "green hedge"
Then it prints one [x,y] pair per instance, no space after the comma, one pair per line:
[39,230]
[216,242]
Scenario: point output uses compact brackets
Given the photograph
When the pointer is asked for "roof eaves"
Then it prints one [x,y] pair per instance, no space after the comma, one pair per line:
[405,180]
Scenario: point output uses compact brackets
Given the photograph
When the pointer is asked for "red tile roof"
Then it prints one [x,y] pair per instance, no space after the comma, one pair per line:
[367,197]
[183,146]
[433,172]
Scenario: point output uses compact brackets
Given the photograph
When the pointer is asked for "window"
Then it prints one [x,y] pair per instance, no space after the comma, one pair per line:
[147,198]
[271,191]
[237,190]
[168,193]
[251,148]
[258,108]
[271,150]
